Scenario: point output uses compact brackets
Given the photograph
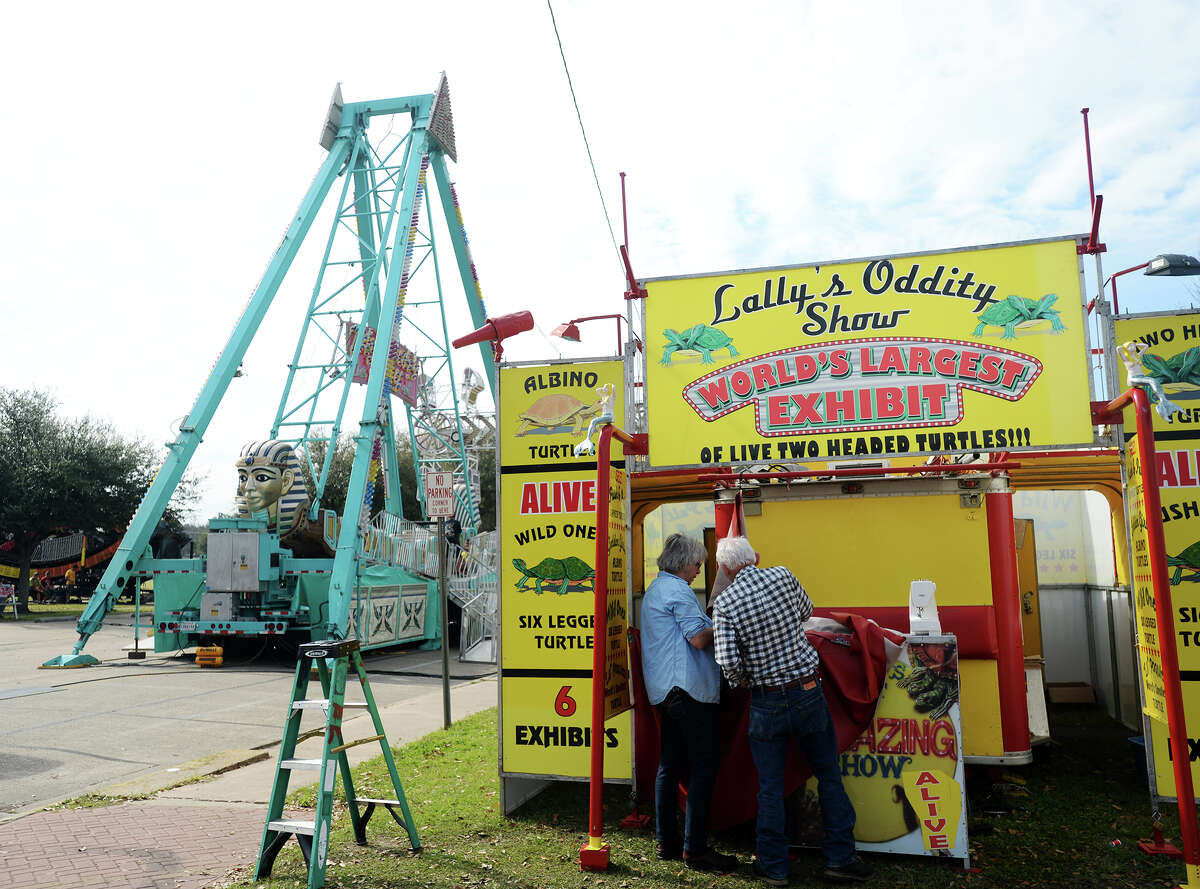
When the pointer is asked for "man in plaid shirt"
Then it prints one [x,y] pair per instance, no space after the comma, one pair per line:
[759,642]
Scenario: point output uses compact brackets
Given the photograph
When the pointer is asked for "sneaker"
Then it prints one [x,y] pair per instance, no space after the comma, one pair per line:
[759,874]
[668,853]
[711,861]
[856,870]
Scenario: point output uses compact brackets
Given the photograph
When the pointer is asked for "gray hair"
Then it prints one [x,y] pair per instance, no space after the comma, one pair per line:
[734,553]
[680,551]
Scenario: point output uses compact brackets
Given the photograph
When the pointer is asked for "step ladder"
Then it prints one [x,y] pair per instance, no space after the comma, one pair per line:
[333,660]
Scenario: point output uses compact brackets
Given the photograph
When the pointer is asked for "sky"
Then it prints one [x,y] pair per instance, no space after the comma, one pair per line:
[155,154]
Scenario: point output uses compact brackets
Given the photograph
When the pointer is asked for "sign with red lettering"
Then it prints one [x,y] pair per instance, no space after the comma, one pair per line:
[975,349]
[548,569]
[439,494]
[905,772]
[1162,351]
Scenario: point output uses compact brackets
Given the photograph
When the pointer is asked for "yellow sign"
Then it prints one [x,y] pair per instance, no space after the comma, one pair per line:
[616,656]
[1154,699]
[1162,353]
[905,772]
[548,568]
[546,729]
[980,349]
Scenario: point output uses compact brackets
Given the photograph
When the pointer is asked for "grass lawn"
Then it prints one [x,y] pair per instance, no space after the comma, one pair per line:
[1082,794]
[72,609]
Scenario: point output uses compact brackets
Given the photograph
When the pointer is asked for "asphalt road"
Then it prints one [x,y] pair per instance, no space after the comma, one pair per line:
[65,732]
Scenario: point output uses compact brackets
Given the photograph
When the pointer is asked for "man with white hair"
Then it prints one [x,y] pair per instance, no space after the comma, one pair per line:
[759,642]
[683,682]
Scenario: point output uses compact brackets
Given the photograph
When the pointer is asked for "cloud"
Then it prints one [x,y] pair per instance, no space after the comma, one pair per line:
[160,153]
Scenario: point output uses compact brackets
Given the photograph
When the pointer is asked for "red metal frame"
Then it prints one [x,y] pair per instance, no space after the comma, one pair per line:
[1006,600]
[1185,794]
[595,853]
[850,472]
[1097,200]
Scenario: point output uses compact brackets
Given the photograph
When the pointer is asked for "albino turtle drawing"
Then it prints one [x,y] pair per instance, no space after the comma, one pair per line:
[555,411]
[1017,310]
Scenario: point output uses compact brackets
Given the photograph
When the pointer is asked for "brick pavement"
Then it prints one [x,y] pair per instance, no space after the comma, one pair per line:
[136,845]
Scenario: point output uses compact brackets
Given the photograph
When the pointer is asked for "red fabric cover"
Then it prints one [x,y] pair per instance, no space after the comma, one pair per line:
[974,625]
[852,669]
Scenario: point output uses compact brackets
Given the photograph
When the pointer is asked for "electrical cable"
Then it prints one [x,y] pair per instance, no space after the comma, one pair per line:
[586,144]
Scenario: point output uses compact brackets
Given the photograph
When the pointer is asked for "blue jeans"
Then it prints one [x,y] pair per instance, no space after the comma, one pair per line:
[688,737]
[776,718]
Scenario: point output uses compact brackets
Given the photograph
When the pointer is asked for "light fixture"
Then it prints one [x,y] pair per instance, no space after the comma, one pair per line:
[568,331]
[1173,264]
[333,119]
[1165,265]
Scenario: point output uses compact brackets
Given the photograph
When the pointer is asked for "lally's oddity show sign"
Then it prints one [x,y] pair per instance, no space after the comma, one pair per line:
[976,349]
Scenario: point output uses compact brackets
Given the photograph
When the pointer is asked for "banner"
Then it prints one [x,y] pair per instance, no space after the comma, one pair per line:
[616,657]
[547,570]
[977,349]
[905,773]
[1164,350]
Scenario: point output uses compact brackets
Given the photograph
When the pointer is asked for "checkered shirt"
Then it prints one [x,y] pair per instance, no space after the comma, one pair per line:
[757,630]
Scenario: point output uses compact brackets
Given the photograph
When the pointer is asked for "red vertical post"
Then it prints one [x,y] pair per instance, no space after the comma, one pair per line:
[1185,794]
[594,855]
[1087,145]
[1006,599]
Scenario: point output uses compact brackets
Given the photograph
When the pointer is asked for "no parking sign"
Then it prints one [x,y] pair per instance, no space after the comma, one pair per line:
[439,494]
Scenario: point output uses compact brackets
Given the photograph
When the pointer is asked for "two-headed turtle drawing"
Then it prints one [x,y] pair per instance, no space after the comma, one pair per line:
[933,686]
[555,411]
[551,571]
[1188,560]
[1018,309]
[701,338]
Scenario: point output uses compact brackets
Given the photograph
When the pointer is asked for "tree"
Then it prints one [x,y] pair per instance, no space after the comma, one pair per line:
[334,496]
[59,475]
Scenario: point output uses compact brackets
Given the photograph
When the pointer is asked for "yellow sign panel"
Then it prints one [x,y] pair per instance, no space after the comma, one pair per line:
[546,729]
[548,502]
[1163,352]
[616,656]
[905,772]
[981,349]
[840,559]
[1154,700]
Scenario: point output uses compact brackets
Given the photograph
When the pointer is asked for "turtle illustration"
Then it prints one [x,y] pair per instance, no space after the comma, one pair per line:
[553,411]
[1188,560]
[933,686]
[1181,368]
[701,338]
[569,570]
[1017,309]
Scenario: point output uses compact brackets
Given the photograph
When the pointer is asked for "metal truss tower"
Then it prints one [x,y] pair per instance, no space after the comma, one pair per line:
[376,316]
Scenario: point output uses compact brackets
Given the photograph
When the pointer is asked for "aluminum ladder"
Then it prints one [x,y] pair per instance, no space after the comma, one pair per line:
[333,660]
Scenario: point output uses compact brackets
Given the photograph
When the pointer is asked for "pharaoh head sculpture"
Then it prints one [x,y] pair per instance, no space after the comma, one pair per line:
[270,480]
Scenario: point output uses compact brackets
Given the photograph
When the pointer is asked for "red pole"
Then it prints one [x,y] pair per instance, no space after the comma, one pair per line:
[594,855]
[1087,144]
[1006,595]
[1185,794]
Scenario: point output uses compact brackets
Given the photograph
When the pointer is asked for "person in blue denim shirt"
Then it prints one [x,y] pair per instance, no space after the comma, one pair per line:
[759,642]
[684,683]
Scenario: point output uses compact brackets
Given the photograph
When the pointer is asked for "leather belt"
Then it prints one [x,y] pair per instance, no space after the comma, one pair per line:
[805,682]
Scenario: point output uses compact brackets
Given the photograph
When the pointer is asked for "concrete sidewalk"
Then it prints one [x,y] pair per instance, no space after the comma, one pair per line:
[190,836]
